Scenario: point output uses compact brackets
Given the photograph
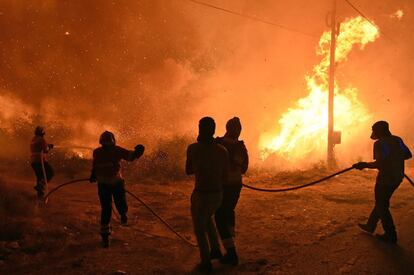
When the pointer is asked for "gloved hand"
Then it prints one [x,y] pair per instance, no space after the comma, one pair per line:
[360,165]
[50,146]
[139,149]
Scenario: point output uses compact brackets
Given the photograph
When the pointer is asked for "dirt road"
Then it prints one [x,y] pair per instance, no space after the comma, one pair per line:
[311,231]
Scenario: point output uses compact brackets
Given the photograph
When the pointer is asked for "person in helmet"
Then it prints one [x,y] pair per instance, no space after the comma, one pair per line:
[225,216]
[209,162]
[41,167]
[106,170]
[390,152]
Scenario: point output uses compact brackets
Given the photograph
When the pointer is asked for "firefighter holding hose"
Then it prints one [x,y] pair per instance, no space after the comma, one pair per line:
[390,152]
[106,170]
[42,169]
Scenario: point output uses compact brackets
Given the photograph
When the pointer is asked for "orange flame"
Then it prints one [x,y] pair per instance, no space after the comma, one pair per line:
[303,128]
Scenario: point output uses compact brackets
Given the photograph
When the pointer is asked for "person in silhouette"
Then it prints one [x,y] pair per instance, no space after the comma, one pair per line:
[209,162]
[41,167]
[106,170]
[239,161]
[390,152]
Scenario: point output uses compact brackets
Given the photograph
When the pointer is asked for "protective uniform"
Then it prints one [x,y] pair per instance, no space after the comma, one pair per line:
[106,170]
[239,161]
[209,162]
[390,152]
[39,148]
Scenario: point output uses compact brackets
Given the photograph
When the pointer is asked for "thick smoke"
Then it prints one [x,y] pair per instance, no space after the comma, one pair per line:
[148,70]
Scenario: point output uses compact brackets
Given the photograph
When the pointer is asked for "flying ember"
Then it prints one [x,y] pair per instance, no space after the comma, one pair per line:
[398,14]
[302,131]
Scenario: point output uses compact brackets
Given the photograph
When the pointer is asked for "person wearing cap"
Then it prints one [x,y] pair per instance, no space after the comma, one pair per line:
[239,162]
[41,167]
[390,152]
[106,170]
[209,162]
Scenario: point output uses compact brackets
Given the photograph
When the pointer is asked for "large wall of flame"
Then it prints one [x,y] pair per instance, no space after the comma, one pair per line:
[150,69]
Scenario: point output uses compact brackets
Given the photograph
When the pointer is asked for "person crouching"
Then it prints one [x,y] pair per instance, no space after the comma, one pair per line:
[106,170]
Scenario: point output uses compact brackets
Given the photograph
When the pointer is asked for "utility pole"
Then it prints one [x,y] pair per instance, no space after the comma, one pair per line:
[331,162]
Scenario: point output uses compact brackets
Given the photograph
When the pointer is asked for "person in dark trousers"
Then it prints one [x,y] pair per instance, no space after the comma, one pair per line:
[106,170]
[390,152]
[43,171]
[225,216]
[209,162]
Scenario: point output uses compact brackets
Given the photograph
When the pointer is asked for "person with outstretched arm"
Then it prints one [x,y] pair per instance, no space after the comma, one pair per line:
[390,153]
[106,170]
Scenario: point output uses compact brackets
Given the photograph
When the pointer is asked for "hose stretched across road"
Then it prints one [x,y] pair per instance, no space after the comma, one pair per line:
[310,183]
[299,186]
[46,198]
[245,185]
[409,180]
[161,219]
[135,197]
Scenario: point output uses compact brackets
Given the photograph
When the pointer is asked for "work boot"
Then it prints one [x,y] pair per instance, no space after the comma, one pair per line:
[388,238]
[105,240]
[366,228]
[205,267]
[215,253]
[124,220]
[230,257]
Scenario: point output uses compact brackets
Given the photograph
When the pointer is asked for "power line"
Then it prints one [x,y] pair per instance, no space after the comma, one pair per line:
[360,12]
[366,18]
[253,18]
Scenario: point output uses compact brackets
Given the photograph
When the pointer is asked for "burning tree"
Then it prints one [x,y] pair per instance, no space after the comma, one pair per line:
[302,133]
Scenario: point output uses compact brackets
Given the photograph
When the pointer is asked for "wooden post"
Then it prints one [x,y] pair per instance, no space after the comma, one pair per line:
[331,162]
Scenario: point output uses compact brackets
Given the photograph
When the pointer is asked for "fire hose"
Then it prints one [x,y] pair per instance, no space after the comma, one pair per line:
[46,198]
[161,219]
[42,162]
[310,183]
[409,180]
[299,186]
[245,185]
[135,197]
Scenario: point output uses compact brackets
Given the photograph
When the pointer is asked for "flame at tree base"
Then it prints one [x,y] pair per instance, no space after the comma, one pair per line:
[303,128]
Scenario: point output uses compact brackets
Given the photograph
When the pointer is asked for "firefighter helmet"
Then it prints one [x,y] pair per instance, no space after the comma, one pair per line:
[380,129]
[39,131]
[107,139]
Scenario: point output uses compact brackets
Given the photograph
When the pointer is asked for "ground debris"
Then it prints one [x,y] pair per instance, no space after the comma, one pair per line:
[118,272]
